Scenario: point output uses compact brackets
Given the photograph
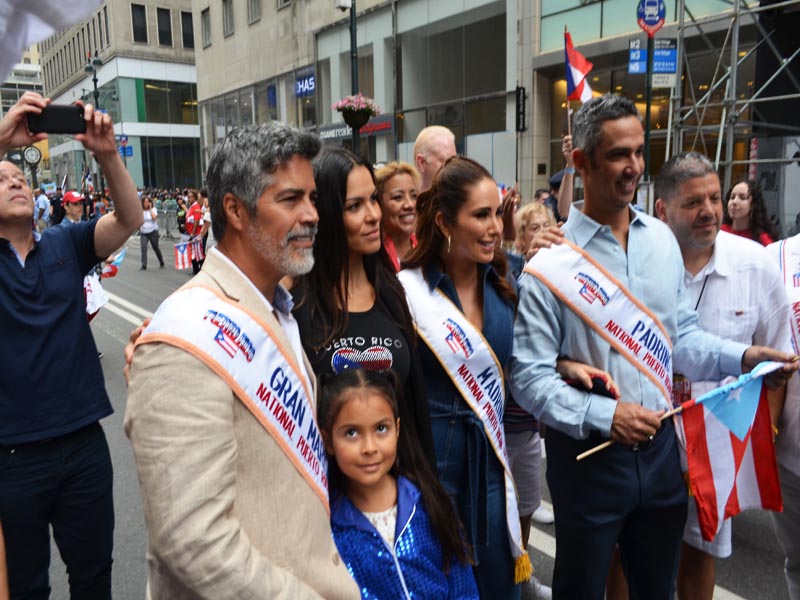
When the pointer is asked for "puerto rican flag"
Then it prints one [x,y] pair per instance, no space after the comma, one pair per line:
[225,343]
[729,450]
[577,70]
[196,249]
[183,260]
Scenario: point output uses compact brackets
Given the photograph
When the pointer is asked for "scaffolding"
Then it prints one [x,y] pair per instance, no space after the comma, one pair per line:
[687,120]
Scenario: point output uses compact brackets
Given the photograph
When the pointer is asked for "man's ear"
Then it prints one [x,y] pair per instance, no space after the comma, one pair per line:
[579,159]
[661,210]
[236,213]
[419,162]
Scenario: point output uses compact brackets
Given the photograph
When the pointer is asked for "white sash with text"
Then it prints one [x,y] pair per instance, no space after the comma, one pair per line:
[241,349]
[608,308]
[790,269]
[469,361]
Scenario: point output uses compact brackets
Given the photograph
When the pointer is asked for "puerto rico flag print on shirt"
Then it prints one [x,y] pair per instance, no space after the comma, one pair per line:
[183,259]
[577,70]
[729,450]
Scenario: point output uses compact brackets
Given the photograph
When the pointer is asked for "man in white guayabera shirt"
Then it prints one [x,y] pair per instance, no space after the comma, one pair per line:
[232,467]
[738,294]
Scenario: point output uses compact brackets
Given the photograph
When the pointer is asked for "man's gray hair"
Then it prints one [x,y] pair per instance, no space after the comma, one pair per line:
[243,162]
[680,168]
[591,116]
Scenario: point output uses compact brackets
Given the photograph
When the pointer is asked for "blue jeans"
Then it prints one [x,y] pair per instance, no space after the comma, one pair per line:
[473,477]
[65,482]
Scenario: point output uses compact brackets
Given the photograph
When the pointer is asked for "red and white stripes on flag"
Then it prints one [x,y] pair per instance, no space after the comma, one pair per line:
[196,248]
[730,473]
[183,259]
[577,70]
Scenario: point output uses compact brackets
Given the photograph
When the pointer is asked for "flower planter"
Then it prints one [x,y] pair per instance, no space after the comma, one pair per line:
[356,118]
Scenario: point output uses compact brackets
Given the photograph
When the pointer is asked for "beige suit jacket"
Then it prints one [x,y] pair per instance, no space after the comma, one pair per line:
[228,515]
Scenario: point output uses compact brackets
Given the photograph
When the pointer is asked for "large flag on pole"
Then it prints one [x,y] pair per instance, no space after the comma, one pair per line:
[577,70]
[729,450]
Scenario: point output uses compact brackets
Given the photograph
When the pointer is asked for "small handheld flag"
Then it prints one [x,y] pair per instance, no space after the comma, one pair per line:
[183,259]
[578,69]
[729,450]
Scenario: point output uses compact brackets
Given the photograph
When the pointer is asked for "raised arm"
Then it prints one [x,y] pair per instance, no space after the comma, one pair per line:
[113,229]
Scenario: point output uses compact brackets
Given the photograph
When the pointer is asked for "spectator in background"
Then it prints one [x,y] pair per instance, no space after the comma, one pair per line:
[434,145]
[746,213]
[149,232]
[56,207]
[62,473]
[397,193]
[42,209]
[194,225]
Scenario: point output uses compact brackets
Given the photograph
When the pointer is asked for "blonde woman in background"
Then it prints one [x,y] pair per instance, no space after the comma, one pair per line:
[529,221]
[398,183]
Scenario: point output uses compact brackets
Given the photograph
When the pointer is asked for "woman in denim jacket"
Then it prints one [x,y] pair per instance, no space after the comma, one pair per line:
[459,231]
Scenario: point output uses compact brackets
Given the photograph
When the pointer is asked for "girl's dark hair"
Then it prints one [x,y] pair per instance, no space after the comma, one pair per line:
[324,288]
[410,463]
[447,195]
[759,220]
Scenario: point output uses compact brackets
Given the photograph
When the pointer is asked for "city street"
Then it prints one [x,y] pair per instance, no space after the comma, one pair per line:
[753,572]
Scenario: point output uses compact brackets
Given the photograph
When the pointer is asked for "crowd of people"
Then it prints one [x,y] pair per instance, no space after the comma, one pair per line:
[372,355]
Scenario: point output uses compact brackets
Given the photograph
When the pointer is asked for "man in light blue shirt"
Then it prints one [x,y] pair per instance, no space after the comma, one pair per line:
[632,493]
[41,208]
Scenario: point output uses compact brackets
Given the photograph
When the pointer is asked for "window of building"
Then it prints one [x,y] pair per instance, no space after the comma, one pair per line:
[164,19]
[253,10]
[139,20]
[283,3]
[105,21]
[227,18]
[205,24]
[186,30]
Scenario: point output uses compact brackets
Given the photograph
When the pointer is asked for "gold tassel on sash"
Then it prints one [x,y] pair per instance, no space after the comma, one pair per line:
[523,569]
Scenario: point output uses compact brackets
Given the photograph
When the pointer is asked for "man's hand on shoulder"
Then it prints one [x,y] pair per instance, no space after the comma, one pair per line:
[633,423]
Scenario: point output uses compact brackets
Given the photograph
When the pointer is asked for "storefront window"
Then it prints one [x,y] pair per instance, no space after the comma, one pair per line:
[170,102]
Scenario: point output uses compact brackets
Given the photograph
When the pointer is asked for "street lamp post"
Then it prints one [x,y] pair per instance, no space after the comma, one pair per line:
[92,63]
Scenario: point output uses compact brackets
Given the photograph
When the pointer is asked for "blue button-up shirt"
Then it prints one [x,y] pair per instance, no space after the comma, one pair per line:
[652,269]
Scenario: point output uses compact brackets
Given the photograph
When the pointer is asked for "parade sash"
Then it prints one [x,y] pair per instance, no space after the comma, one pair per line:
[607,307]
[790,269]
[243,350]
[474,369]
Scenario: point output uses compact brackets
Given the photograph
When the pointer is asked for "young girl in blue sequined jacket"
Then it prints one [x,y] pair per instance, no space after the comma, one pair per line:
[392,521]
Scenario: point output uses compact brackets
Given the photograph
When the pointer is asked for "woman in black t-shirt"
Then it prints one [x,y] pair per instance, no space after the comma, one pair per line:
[350,308]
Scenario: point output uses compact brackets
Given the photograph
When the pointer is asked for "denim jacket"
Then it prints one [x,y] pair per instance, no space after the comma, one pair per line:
[413,568]
[498,330]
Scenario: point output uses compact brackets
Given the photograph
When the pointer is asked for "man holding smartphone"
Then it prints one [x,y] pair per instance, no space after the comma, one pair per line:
[55,467]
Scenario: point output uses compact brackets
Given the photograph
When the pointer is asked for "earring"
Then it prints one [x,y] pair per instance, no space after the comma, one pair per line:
[448,244]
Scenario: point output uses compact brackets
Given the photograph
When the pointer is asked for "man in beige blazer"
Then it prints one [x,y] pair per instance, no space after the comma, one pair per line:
[229,514]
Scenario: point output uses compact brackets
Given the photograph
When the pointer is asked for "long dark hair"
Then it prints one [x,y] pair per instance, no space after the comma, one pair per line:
[759,220]
[410,462]
[324,289]
[447,195]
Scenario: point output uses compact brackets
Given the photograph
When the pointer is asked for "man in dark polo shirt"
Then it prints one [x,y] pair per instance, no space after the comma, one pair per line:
[55,468]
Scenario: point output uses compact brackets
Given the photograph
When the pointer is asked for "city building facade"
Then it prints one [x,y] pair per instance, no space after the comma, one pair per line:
[493,71]
[142,55]
[26,76]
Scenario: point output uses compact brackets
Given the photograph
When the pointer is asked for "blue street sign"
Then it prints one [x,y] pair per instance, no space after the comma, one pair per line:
[650,15]
[126,151]
[665,56]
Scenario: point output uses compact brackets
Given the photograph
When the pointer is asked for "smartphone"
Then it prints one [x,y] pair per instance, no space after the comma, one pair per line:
[58,118]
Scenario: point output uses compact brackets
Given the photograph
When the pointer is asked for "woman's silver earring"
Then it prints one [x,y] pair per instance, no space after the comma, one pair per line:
[448,244]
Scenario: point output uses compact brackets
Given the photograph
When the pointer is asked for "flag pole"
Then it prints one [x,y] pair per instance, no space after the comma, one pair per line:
[608,443]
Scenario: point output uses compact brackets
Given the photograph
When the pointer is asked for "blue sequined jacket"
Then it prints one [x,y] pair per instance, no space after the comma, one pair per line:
[413,568]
